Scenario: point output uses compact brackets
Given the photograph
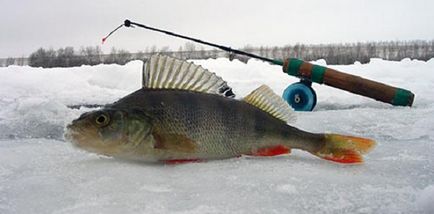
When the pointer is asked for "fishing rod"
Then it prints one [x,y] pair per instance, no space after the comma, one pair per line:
[300,95]
[128,23]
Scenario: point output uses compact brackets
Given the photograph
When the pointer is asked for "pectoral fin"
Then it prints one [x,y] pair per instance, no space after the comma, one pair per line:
[174,142]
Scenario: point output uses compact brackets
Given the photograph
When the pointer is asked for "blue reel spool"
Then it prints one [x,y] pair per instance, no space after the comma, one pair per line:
[300,96]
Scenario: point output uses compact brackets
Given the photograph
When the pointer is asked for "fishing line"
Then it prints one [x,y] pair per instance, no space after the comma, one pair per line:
[105,38]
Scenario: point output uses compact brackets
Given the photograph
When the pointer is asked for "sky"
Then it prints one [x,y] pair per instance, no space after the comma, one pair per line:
[27,25]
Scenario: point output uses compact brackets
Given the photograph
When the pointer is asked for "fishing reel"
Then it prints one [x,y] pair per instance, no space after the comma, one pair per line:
[300,96]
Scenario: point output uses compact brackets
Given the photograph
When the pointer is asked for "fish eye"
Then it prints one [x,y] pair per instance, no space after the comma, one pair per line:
[102,119]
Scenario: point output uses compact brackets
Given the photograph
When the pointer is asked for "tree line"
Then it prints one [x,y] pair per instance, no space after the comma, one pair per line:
[336,54]
[68,57]
[342,54]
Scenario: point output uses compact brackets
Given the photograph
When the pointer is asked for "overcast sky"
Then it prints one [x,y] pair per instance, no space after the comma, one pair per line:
[27,25]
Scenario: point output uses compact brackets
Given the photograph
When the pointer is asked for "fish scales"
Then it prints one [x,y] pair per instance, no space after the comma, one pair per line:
[186,113]
[220,126]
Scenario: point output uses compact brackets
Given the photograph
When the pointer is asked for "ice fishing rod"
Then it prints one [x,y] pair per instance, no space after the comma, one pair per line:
[128,23]
[301,96]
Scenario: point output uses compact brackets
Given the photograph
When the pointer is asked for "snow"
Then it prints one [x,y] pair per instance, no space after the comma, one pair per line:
[40,173]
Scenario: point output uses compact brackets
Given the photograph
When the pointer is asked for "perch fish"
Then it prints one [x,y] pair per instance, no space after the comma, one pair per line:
[185,113]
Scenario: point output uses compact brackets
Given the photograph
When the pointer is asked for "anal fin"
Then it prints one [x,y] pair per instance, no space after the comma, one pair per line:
[271,151]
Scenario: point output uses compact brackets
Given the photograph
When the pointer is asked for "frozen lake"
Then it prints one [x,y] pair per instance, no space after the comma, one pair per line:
[40,173]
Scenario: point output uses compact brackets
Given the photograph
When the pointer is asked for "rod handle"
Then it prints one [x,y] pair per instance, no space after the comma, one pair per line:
[348,82]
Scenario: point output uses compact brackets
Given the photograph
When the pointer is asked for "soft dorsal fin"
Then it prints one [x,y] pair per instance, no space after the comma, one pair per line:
[164,72]
[265,99]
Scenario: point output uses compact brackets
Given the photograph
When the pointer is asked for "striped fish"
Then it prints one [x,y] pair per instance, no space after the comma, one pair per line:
[185,113]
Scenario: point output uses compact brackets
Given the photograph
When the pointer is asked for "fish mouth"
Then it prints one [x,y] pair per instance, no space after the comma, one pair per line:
[73,135]
[80,138]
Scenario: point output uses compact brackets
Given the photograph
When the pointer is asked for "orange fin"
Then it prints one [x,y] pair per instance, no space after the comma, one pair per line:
[343,156]
[181,161]
[272,151]
[345,149]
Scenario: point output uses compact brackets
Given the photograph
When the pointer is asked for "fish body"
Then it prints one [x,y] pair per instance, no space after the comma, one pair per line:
[216,127]
[173,119]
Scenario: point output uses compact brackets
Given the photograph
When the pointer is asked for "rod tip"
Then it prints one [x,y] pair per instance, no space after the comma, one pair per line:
[127,23]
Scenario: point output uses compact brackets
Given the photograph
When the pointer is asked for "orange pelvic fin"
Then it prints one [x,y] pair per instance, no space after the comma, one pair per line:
[345,149]
[272,151]
[181,161]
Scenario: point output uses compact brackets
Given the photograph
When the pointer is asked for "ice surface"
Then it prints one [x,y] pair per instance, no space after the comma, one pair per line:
[426,199]
[40,173]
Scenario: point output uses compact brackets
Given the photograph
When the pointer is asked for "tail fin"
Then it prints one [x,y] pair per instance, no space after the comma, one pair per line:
[345,149]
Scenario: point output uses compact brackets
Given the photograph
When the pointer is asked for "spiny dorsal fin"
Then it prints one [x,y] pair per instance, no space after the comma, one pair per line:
[265,99]
[164,72]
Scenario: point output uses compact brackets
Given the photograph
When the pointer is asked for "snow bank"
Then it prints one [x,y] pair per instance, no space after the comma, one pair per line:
[35,101]
[40,173]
